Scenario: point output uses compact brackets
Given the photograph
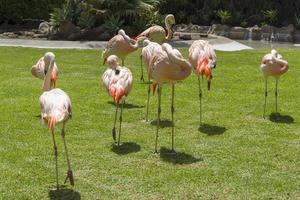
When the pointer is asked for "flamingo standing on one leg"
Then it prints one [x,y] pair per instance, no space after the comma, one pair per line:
[146,55]
[40,69]
[169,66]
[203,58]
[118,82]
[157,33]
[273,65]
[56,108]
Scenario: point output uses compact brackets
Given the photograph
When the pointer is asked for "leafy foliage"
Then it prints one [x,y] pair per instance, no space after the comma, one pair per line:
[113,24]
[224,15]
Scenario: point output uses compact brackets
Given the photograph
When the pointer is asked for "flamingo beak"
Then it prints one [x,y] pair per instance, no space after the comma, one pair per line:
[104,61]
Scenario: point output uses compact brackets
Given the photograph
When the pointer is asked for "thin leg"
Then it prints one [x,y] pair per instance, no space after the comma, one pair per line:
[158,117]
[142,73]
[114,128]
[55,154]
[200,99]
[172,112]
[70,172]
[148,98]
[276,95]
[120,127]
[266,94]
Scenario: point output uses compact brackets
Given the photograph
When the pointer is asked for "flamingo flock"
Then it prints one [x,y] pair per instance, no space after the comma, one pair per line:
[164,65]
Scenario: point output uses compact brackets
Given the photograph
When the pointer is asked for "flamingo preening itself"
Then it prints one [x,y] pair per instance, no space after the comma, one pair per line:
[118,82]
[148,50]
[273,65]
[203,59]
[157,33]
[40,69]
[167,66]
[120,45]
[56,108]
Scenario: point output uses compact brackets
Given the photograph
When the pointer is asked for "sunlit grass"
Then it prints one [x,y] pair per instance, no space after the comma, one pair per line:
[236,154]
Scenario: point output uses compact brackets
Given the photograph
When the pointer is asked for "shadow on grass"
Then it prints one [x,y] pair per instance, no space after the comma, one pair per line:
[127,105]
[64,194]
[211,129]
[163,123]
[145,82]
[278,118]
[126,148]
[179,158]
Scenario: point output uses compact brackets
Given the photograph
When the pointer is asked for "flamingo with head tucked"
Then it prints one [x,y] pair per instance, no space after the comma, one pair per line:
[40,69]
[118,82]
[56,108]
[203,59]
[167,66]
[157,33]
[273,65]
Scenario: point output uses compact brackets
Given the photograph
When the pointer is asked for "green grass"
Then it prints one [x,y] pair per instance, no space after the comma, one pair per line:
[236,155]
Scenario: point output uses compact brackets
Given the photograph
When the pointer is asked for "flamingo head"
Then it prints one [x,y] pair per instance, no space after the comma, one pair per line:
[113,61]
[146,42]
[48,57]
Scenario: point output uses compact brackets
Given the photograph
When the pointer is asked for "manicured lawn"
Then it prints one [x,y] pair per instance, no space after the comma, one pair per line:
[236,154]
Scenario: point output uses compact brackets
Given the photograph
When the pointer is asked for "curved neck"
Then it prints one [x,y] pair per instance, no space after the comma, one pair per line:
[133,44]
[169,30]
[47,79]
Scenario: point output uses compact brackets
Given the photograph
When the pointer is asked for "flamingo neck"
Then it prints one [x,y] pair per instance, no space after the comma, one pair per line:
[169,30]
[47,79]
[133,43]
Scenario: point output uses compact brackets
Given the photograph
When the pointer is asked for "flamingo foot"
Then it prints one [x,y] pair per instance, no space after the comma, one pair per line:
[70,177]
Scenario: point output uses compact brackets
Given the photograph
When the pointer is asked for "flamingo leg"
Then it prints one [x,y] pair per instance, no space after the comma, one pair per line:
[158,116]
[148,98]
[142,73]
[55,154]
[276,94]
[200,99]
[120,127]
[114,128]
[172,112]
[70,172]
[266,94]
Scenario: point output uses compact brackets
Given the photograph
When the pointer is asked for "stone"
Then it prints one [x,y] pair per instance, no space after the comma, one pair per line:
[219,29]
[44,28]
[185,37]
[238,33]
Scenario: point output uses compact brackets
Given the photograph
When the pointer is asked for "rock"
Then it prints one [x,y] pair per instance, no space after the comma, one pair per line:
[285,34]
[180,28]
[238,33]
[75,36]
[220,29]
[67,28]
[185,36]
[296,35]
[254,33]
[44,28]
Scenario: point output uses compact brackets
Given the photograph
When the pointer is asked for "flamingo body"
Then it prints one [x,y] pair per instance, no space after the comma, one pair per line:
[157,33]
[120,45]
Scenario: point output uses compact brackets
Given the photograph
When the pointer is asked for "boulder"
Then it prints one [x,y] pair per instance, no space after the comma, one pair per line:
[44,28]
[185,37]
[238,33]
[285,34]
[219,29]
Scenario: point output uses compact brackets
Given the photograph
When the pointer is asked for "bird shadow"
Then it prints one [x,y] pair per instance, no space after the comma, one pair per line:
[211,129]
[127,105]
[179,158]
[126,148]
[64,194]
[163,123]
[278,118]
[145,82]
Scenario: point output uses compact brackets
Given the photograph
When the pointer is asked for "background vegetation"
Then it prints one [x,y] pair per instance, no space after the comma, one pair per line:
[140,13]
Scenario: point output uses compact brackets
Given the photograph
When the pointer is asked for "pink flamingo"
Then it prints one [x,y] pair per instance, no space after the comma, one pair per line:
[118,82]
[121,45]
[203,59]
[56,108]
[40,69]
[273,65]
[167,66]
[157,33]
[146,55]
